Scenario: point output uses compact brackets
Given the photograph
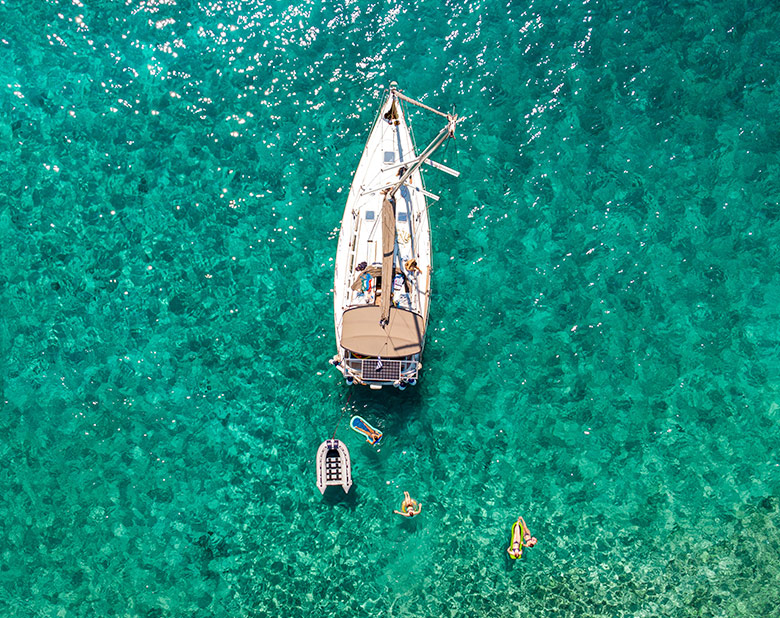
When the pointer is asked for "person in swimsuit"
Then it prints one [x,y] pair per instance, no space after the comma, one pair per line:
[411,266]
[409,507]
[521,538]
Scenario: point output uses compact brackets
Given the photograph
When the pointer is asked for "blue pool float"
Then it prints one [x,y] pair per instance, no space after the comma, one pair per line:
[360,425]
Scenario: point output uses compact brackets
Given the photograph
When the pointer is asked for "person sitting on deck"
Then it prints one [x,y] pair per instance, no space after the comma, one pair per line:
[411,266]
[409,507]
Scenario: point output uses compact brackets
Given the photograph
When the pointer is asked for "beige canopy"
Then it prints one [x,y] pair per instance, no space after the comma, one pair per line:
[402,336]
[388,253]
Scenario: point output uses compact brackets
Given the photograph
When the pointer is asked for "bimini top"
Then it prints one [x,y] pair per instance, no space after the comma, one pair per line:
[362,334]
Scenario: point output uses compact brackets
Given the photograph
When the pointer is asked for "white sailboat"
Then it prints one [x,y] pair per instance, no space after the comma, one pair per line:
[382,283]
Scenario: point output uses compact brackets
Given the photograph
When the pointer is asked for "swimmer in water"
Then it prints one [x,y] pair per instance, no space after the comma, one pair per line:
[409,507]
[521,537]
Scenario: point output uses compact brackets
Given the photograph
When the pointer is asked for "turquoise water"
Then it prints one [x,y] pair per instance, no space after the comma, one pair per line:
[603,350]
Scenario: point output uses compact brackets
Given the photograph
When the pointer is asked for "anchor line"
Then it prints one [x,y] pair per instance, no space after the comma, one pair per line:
[346,403]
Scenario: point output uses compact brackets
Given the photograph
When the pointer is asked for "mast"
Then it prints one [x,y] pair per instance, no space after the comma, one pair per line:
[446,133]
[388,203]
[443,136]
[388,253]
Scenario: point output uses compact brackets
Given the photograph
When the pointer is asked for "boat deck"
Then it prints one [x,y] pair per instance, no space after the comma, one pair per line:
[388,147]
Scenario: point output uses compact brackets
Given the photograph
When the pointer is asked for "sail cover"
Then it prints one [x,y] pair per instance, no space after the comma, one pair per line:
[362,334]
[388,251]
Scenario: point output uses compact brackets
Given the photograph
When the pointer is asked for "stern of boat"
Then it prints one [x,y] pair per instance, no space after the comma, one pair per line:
[378,372]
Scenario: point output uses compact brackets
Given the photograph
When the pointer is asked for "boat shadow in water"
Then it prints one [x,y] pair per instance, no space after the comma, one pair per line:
[390,409]
[335,496]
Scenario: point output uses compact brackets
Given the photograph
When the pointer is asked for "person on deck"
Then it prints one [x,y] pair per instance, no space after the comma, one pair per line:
[411,266]
[409,507]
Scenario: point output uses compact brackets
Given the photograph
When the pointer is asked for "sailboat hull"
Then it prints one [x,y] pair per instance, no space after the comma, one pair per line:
[383,347]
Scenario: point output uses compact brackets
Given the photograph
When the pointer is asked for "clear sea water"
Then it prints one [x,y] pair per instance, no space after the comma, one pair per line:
[603,349]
